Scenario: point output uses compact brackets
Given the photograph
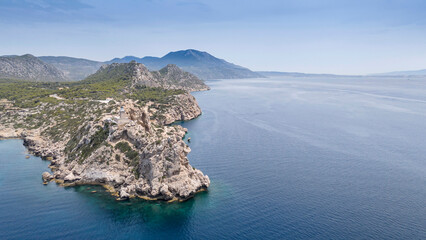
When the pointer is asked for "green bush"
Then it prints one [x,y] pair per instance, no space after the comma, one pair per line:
[132,155]
[123,147]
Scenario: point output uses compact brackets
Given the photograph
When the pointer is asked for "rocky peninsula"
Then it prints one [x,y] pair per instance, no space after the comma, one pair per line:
[111,129]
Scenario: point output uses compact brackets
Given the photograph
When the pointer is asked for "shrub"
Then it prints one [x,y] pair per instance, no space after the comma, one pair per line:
[132,154]
[123,147]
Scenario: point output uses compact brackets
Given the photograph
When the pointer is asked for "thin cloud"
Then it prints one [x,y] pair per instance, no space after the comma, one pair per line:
[48,11]
[44,5]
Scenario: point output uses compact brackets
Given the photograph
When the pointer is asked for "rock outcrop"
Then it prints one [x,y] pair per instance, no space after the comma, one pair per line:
[185,109]
[172,77]
[126,144]
[138,155]
[47,177]
[169,77]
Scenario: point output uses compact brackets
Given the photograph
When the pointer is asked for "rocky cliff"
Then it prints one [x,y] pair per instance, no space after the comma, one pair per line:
[125,143]
[137,155]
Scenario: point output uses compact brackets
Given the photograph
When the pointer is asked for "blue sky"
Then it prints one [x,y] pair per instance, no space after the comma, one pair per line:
[327,36]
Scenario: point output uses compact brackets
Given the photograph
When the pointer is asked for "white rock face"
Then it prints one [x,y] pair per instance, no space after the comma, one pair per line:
[186,109]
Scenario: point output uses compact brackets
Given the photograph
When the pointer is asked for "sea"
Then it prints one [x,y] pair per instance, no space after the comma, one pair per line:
[288,157]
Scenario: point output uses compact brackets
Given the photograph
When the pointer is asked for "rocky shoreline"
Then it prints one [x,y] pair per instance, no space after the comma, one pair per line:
[136,155]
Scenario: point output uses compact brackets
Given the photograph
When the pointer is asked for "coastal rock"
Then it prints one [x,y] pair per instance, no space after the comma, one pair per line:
[154,164]
[46,177]
[71,178]
[186,109]
[9,133]
[123,195]
[126,145]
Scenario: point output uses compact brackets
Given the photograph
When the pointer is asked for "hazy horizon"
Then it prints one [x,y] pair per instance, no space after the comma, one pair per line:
[336,37]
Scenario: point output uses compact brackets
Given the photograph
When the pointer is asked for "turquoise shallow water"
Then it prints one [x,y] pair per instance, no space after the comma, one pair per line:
[289,158]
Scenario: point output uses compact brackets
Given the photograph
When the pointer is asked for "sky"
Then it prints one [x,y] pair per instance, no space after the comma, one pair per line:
[311,36]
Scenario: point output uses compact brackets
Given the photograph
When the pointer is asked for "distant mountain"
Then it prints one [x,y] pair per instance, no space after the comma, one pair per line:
[201,64]
[297,74]
[29,67]
[126,59]
[169,77]
[404,73]
[73,68]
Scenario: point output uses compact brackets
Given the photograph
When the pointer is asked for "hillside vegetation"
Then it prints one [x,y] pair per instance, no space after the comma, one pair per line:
[125,143]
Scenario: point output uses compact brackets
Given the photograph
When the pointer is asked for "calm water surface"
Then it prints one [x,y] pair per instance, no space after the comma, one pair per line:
[289,158]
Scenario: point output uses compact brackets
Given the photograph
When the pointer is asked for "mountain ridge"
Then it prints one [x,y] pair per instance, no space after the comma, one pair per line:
[202,64]
[73,68]
[421,72]
[29,67]
[137,74]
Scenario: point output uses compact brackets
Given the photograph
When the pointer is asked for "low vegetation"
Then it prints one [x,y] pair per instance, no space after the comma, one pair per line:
[131,156]
[128,151]
[25,94]
[60,109]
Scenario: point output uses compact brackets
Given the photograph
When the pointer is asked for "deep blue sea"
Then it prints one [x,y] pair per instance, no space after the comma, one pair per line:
[288,158]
